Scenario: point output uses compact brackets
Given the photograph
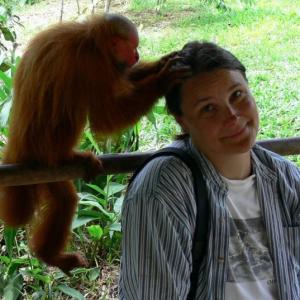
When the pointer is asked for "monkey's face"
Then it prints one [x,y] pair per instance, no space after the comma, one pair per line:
[125,50]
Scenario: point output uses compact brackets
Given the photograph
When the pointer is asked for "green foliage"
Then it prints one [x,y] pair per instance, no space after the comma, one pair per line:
[100,211]
[8,22]
[7,65]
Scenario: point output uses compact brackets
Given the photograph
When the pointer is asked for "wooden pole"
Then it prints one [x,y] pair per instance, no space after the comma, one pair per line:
[13,175]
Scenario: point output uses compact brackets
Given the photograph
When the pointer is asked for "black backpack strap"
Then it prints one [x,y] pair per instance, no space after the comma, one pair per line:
[202,215]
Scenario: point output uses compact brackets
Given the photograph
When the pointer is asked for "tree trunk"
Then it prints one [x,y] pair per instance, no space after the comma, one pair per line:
[78,7]
[93,7]
[61,10]
[107,6]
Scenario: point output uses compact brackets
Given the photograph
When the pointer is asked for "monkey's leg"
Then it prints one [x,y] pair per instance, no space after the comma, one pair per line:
[17,204]
[51,232]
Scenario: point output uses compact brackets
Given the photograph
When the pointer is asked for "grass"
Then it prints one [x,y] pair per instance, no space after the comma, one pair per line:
[265,37]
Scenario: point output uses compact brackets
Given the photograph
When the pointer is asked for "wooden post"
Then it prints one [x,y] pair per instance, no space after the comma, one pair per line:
[13,175]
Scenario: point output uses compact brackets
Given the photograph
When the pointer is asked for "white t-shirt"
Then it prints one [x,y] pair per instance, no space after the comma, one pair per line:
[250,273]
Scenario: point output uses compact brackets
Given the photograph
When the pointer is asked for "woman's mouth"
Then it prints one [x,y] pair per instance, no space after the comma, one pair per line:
[236,134]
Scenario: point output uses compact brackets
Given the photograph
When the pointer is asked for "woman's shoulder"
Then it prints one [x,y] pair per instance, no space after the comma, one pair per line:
[160,172]
[276,162]
[163,168]
[167,181]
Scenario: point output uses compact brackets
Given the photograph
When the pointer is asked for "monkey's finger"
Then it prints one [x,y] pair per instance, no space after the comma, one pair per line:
[177,76]
[180,69]
[93,166]
[181,72]
[175,62]
[169,56]
[176,59]
[165,59]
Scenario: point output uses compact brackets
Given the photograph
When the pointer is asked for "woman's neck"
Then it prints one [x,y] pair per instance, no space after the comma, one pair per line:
[233,166]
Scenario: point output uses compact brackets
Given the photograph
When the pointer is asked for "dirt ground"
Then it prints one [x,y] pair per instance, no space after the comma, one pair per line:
[36,17]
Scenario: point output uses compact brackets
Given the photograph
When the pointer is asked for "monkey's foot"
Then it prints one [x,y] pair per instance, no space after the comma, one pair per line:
[93,166]
[67,262]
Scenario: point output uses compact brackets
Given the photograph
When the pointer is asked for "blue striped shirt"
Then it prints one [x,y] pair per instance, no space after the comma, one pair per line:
[158,222]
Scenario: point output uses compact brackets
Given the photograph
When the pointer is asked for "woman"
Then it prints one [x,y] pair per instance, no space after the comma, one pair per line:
[253,237]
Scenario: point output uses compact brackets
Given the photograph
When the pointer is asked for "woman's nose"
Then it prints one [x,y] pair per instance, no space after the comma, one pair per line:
[231,114]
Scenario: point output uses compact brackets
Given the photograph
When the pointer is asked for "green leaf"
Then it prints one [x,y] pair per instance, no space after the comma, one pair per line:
[115,227]
[3,12]
[2,95]
[113,188]
[70,292]
[90,137]
[9,237]
[4,112]
[99,206]
[8,34]
[118,204]
[2,57]
[12,290]
[6,79]
[95,232]
[87,196]
[151,118]
[96,188]
[159,109]
[94,274]
[43,278]
[81,221]
[5,259]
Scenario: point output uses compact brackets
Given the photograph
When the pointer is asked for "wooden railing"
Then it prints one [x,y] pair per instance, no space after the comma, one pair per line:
[13,175]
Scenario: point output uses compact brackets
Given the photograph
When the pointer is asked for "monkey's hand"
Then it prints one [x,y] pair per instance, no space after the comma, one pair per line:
[173,72]
[143,70]
[165,59]
[93,166]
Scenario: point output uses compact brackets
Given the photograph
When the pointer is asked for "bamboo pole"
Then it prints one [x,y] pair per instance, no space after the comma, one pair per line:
[13,174]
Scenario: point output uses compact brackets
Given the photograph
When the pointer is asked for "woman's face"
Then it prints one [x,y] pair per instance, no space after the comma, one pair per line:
[219,113]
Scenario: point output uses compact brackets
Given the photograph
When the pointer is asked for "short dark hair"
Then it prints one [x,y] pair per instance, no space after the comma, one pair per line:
[201,57]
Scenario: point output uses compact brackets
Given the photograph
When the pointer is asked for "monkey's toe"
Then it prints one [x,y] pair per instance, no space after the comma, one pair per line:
[70,261]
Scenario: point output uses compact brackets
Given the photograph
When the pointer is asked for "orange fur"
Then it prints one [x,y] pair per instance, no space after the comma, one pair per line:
[67,75]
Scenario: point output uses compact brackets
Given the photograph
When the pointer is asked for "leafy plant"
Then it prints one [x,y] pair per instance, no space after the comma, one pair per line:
[8,44]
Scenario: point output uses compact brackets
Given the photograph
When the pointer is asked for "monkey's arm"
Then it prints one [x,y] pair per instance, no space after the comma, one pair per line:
[134,99]
[144,69]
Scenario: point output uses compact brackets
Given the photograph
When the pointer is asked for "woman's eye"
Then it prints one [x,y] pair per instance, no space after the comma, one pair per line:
[208,108]
[238,95]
